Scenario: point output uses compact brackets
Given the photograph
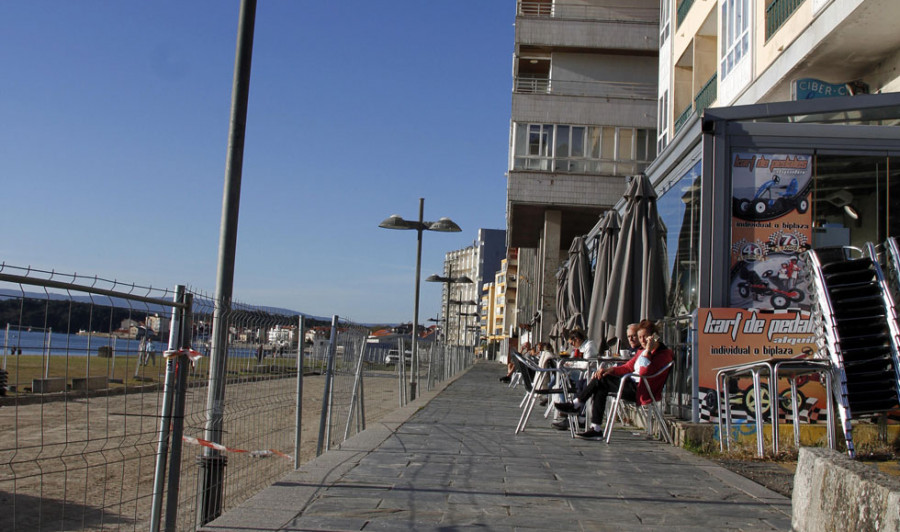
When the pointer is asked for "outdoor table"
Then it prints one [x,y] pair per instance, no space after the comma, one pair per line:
[790,368]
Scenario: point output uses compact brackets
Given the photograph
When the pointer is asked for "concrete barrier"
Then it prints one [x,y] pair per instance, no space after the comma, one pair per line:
[85,384]
[51,385]
[833,492]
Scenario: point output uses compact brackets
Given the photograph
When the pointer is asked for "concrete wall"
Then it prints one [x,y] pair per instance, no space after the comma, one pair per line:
[834,493]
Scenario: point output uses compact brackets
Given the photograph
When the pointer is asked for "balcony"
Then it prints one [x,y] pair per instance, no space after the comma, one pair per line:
[706,96]
[681,13]
[597,89]
[683,117]
[777,13]
[580,11]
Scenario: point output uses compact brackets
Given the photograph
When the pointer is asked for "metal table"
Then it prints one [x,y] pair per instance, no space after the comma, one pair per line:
[774,367]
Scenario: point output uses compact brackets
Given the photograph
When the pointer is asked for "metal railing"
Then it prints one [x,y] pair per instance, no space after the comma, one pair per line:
[707,95]
[678,334]
[778,12]
[600,89]
[581,11]
[681,13]
[107,408]
[683,117]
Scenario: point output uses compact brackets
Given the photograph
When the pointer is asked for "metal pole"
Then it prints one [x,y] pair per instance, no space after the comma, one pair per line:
[212,463]
[297,423]
[165,417]
[355,398]
[180,330]
[414,370]
[326,393]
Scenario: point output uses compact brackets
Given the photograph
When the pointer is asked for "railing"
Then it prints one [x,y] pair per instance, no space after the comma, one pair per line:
[106,412]
[683,8]
[574,11]
[683,117]
[778,12]
[599,89]
[678,334]
[706,96]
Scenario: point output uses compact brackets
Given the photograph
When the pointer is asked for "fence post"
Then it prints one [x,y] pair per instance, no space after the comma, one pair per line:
[165,418]
[325,418]
[355,398]
[301,334]
[181,330]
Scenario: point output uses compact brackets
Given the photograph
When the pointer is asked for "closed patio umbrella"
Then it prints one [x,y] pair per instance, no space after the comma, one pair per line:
[578,285]
[599,330]
[637,283]
[562,305]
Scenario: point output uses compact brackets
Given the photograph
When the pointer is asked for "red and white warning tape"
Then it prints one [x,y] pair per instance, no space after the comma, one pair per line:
[194,356]
[219,447]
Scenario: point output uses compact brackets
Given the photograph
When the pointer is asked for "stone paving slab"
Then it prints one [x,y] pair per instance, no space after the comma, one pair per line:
[450,461]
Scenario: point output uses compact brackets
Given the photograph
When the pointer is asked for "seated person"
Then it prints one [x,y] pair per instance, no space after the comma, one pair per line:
[510,365]
[631,331]
[649,360]
[581,346]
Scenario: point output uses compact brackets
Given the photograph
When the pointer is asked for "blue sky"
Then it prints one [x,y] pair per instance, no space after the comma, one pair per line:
[114,131]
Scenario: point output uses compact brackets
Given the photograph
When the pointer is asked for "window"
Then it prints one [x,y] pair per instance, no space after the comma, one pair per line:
[662,119]
[664,11]
[605,150]
[735,33]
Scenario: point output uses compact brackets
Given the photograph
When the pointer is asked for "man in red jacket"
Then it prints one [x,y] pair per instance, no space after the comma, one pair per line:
[652,356]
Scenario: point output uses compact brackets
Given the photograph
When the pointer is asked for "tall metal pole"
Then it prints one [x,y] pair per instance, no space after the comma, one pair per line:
[414,370]
[301,335]
[212,463]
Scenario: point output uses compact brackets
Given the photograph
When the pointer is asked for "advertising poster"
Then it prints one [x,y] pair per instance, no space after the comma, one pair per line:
[730,336]
[771,225]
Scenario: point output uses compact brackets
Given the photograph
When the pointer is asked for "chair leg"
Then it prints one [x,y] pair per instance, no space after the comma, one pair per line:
[610,420]
[527,402]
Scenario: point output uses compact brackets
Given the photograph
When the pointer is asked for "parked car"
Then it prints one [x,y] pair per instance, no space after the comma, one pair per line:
[394,355]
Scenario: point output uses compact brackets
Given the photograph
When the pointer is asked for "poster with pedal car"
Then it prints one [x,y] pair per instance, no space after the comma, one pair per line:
[770,227]
[731,336]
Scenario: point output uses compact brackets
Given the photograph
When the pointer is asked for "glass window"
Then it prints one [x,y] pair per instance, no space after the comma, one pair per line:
[577,142]
[608,144]
[625,144]
[679,208]
[735,36]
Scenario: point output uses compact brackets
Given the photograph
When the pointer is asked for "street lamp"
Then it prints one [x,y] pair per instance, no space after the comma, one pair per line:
[448,280]
[443,225]
[465,330]
[459,314]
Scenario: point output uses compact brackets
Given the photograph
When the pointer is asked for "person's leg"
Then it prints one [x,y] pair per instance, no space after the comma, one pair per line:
[605,386]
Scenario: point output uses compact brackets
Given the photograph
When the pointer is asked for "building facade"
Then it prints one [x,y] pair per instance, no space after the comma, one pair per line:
[583,118]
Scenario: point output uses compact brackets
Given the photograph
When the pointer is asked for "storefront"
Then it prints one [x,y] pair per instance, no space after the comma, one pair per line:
[743,192]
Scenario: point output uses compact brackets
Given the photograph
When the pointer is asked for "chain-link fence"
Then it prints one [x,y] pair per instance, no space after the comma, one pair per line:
[116,415]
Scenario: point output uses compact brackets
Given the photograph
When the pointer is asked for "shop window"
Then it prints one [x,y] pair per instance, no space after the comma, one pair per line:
[679,208]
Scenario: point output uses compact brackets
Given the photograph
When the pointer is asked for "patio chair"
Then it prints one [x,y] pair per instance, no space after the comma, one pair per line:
[654,406]
[529,371]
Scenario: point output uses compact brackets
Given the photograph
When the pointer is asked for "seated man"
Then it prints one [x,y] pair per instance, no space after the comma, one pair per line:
[510,365]
[648,361]
[631,331]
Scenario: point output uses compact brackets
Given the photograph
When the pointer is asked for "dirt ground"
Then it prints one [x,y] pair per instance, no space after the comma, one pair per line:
[88,463]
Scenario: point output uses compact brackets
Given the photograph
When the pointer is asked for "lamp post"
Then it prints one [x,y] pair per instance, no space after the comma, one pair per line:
[448,280]
[466,328]
[460,303]
[444,225]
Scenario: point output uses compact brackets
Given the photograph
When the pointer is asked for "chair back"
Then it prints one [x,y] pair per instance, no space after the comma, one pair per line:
[663,375]
[523,368]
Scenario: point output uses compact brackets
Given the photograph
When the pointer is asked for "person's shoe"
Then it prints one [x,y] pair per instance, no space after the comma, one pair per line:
[562,424]
[590,434]
[543,401]
[565,408]
[504,378]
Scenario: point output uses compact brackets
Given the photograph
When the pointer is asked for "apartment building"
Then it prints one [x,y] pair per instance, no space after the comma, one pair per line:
[460,301]
[774,135]
[583,119]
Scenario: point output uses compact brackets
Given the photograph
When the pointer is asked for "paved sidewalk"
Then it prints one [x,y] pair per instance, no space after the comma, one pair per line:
[449,461]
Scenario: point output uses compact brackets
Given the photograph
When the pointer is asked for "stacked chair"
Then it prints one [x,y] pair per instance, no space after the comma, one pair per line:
[856,329]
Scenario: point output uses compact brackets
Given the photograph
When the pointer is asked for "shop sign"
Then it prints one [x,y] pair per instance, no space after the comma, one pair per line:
[770,227]
[811,88]
[730,336]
